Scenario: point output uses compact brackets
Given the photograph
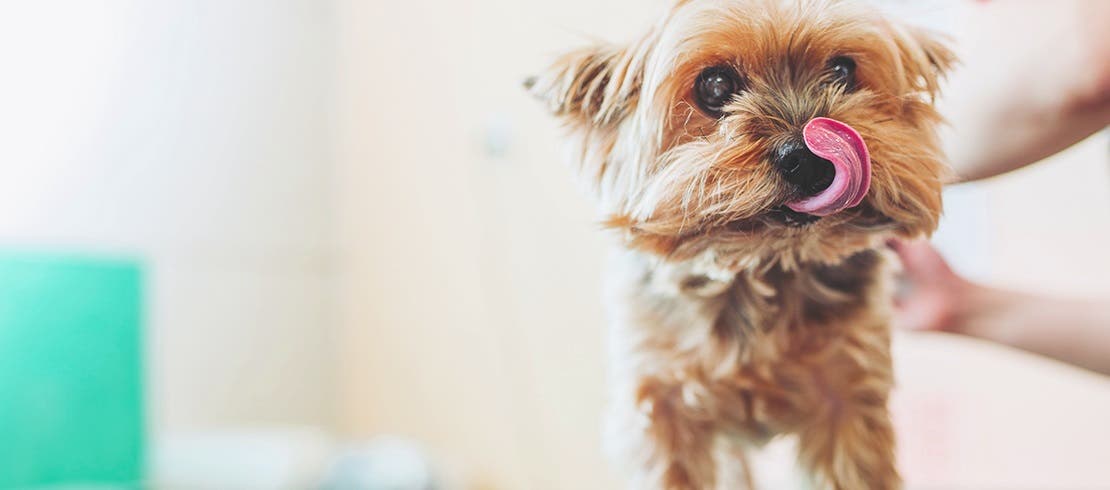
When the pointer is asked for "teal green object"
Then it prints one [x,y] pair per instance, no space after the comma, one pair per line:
[70,372]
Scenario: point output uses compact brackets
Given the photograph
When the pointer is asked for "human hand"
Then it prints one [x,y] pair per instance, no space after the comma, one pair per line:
[931,296]
[937,299]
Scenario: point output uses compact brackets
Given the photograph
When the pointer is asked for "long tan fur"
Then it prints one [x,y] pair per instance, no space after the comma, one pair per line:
[729,327]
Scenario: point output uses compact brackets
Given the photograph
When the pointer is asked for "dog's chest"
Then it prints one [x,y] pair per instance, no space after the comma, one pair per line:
[678,321]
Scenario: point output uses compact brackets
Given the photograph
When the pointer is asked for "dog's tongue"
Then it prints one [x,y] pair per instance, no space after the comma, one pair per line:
[840,144]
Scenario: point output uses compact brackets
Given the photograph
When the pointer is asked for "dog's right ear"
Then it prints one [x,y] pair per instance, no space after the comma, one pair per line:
[593,86]
[926,57]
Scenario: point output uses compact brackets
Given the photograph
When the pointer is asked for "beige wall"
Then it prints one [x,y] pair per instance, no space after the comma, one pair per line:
[468,299]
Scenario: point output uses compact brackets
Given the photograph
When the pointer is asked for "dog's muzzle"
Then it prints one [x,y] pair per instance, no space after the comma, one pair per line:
[831,170]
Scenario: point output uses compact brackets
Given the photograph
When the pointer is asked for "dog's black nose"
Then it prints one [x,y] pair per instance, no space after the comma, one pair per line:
[810,173]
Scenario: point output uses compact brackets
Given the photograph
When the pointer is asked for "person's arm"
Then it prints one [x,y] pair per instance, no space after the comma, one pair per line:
[1034,79]
[1073,331]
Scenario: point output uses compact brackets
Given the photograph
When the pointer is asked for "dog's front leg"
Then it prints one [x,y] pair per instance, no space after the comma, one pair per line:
[849,443]
[673,443]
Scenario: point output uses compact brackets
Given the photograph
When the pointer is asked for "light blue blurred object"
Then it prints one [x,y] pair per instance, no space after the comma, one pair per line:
[384,463]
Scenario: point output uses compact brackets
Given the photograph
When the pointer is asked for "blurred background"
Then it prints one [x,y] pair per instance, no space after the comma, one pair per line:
[263,244]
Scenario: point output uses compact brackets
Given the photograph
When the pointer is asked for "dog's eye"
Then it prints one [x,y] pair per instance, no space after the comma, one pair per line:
[843,71]
[715,87]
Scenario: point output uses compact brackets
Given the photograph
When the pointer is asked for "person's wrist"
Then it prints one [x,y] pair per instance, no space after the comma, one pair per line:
[977,308]
[967,301]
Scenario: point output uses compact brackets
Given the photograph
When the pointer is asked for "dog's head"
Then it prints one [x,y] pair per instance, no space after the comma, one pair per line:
[792,130]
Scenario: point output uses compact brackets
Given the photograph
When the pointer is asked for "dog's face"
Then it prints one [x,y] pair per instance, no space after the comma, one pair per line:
[758,129]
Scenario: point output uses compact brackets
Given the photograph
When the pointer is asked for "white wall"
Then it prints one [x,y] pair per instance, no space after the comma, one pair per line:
[193,136]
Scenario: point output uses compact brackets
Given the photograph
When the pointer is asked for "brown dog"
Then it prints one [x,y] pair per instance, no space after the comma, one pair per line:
[755,155]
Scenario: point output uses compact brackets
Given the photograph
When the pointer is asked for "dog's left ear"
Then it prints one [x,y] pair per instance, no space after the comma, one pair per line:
[593,86]
[926,58]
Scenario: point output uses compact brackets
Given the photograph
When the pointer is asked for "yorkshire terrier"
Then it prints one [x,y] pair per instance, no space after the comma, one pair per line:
[755,156]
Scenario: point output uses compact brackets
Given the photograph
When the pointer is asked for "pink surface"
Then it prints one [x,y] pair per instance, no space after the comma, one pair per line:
[974,415]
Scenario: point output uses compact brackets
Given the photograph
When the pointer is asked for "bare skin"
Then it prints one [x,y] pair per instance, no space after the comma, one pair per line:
[1036,80]
[1073,331]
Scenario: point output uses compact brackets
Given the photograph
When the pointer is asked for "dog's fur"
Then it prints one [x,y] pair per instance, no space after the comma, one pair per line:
[731,327]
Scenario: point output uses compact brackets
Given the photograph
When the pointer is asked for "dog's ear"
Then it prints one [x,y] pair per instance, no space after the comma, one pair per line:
[926,58]
[593,86]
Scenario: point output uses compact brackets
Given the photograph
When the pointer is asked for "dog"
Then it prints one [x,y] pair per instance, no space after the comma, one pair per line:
[754,158]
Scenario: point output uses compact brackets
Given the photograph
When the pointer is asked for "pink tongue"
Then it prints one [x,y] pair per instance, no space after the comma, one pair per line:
[840,144]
